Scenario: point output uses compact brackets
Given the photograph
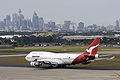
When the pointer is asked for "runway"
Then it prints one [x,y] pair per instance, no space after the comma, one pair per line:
[27,73]
[15,55]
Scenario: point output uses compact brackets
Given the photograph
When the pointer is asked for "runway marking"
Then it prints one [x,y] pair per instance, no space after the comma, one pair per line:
[117,76]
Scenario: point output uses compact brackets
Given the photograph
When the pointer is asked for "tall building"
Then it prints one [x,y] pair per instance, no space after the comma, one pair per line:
[52,26]
[80,26]
[2,26]
[73,27]
[59,27]
[8,23]
[8,20]
[35,22]
[23,25]
[29,24]
[15,22]
[117,25]
[41,23]
[66,26]
[20,19]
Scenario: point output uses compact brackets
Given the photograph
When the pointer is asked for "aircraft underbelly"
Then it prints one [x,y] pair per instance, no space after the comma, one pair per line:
[67,61]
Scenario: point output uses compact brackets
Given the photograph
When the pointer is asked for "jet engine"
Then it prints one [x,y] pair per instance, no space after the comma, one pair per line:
[54,65]
[87,62]
[96,56]
[34,64]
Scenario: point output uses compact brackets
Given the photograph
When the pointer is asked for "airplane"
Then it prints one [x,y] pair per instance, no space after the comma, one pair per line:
[40,58]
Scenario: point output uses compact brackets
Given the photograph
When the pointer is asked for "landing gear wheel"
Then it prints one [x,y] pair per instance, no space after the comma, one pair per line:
[63,66]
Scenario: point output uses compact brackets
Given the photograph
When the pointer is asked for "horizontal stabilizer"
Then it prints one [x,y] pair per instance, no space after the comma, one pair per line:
[106,58]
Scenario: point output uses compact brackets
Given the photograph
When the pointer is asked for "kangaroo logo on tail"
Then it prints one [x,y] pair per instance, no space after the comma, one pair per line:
[91,49]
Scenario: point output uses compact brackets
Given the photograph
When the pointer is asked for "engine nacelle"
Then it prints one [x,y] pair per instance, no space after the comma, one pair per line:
[34,64]
[54,65]
[96,56]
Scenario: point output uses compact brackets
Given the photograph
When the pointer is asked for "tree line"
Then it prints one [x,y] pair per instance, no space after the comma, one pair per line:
[54,39]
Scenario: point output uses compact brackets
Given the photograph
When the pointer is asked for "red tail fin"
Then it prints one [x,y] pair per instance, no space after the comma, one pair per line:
[92,49]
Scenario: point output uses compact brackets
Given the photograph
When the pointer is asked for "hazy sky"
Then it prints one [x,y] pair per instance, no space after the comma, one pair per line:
[101,12]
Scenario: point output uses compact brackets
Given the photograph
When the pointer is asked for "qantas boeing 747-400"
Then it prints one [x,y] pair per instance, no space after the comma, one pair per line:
[39,58]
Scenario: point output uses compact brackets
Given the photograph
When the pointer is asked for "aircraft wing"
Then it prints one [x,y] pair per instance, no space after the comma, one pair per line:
[105,58]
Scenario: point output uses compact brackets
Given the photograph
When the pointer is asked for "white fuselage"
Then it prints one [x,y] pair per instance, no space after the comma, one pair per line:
[52,57]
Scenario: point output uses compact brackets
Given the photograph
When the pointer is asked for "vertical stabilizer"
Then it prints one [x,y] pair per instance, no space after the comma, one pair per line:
[92,49]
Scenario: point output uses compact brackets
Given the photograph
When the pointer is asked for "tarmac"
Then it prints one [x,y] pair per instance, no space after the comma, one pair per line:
[28,73]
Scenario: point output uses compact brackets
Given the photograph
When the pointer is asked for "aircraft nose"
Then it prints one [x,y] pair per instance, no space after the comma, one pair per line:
[28,58]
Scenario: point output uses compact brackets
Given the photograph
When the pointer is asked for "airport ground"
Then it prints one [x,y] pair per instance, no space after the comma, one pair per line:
[28,73]
[24,50]
[15,67]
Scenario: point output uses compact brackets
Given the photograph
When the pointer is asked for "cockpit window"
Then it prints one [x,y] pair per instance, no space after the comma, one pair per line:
[35,56]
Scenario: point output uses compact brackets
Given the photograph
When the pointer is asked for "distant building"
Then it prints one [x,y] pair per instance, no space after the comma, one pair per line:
[73,27]
[2,26]
[41,23]
[80,26]
[93,27]
[102,28]
[15,22]
[66,26]
[35,22]
[8,23]
[59,27]
[24,25]
[117,25]
[20,20]
[29,24]
[110,28]
[52,26]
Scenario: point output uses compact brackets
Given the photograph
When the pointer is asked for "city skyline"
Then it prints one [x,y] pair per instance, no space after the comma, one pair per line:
[18,22]
[100,12]
[51,20]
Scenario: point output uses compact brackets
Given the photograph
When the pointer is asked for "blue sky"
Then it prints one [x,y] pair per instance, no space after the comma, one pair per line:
[101,12]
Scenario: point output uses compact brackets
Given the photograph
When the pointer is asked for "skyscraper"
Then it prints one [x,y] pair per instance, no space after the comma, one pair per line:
[8,23]
[66,26]
[52,26]
[117,25]
[41,23]
[20,19]
[80,26]
[15,21]
[24,25]
[73,27]
[29,24]
[35,21]
[2,26]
